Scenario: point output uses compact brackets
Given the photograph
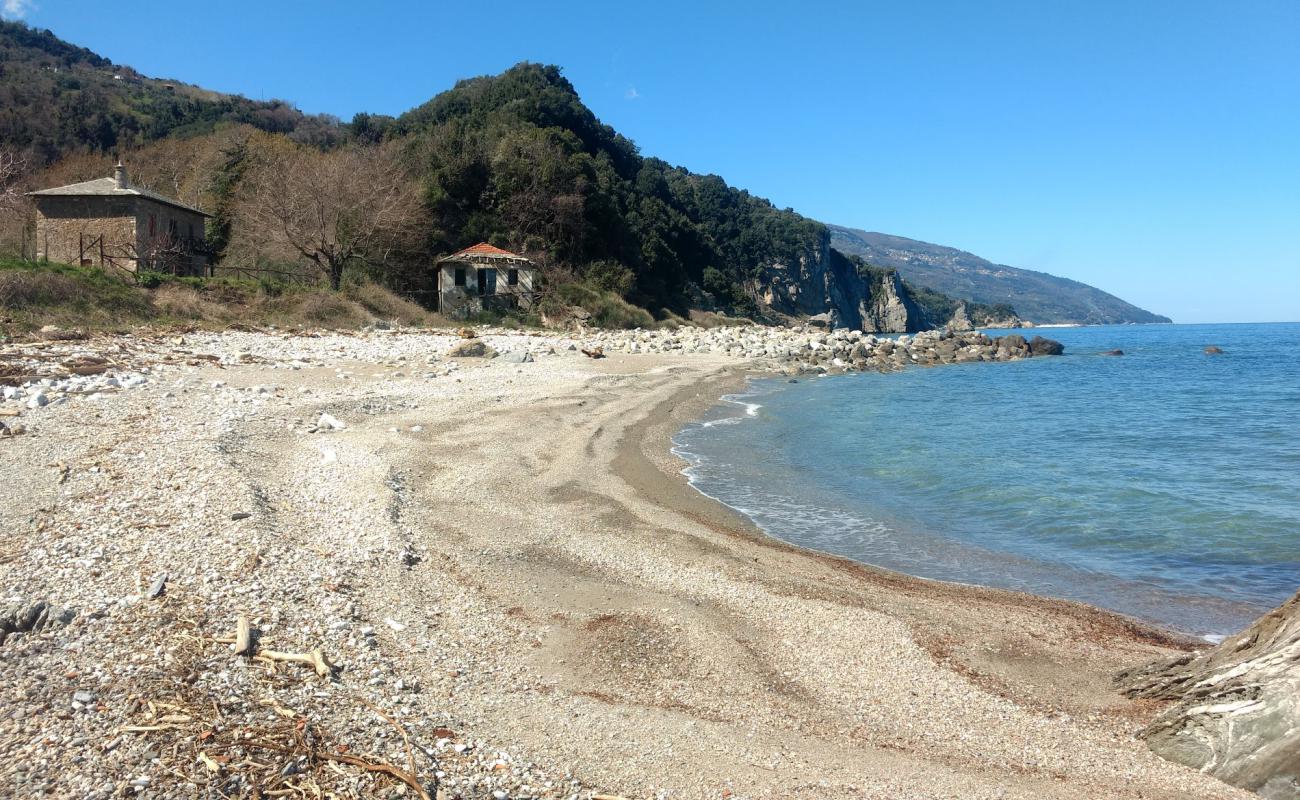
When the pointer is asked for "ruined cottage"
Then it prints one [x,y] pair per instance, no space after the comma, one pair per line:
[110,223]
[484,277]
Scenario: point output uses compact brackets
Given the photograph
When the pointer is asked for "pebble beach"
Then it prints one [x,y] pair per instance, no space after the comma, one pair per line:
[405,563]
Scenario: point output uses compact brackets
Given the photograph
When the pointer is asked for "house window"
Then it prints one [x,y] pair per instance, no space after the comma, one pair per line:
[487,281]
[153,226]
[512,277]
[460,276]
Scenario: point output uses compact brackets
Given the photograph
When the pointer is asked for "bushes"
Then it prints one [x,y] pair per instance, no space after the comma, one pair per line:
[607,309]
[183,302]
[327,308]
[384,304]
[33,295]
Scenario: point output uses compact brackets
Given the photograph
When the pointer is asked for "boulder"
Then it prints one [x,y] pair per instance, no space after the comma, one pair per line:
[1236,712]
[329,422]
[1115,352]
[517,357]
[472,348]
[54,333]
[821,320]
[1012,342]
[1213,351]
[1041,346]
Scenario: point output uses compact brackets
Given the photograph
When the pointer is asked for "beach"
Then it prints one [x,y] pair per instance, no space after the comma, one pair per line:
[517,592]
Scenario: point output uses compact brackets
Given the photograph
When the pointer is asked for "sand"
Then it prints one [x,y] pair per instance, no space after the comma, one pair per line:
[508,556]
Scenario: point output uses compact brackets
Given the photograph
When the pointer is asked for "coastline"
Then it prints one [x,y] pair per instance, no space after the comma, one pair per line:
[506,558]
[679,462]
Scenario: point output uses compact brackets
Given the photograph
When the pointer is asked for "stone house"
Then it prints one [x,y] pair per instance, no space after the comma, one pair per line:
[110,223]
[484,277]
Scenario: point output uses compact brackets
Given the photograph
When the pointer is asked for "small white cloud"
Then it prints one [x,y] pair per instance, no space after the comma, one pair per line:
[16,9]
[630,94]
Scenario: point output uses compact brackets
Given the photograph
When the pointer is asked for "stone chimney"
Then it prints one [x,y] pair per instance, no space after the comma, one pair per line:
[119,175]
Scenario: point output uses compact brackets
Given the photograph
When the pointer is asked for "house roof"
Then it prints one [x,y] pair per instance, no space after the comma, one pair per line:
[483,250]
[107,187]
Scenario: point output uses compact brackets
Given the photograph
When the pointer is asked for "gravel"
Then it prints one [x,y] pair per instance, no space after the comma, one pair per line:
[486,647]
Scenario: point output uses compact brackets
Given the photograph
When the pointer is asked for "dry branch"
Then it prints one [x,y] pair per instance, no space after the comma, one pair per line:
[314,659]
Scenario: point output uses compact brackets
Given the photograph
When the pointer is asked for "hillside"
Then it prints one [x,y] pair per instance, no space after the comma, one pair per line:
[514,159]
[57,99]
[1036,296]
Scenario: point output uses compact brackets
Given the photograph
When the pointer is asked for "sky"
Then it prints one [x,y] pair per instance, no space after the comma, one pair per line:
[1149,148]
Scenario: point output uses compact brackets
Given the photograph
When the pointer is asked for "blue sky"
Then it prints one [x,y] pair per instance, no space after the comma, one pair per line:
[1149,148]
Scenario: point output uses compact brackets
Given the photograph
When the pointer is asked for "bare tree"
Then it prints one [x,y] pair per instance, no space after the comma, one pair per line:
[11,168]
[15,209]
[347,207]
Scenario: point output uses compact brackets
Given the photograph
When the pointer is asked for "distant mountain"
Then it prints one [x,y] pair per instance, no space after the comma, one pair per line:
[1036,296]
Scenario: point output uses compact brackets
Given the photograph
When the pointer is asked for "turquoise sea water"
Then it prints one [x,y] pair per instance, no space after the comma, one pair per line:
[1164,484]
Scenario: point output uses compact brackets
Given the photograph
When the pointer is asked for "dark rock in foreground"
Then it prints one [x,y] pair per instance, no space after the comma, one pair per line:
[1237,712]
[1040,346]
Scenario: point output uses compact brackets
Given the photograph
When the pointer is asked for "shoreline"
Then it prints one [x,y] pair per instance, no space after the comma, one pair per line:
[652,448]
[502,560]
[1158,631]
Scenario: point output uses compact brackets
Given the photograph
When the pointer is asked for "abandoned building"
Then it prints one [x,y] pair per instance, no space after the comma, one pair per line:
[481,278]
[110,223]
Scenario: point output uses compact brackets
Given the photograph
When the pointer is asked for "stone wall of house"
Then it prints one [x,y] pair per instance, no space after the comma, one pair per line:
[464,300]
[67,229]
[156,222]
[119,230]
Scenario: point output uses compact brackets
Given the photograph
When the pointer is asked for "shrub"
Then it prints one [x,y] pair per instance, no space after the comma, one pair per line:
[330,309]
[183,302]
[384,304]
[607,309]
[609,276]
[23,289]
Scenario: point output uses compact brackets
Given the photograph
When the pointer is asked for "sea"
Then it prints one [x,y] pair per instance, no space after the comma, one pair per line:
[1163,484]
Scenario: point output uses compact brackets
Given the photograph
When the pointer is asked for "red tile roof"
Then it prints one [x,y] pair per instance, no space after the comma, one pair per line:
[485,249]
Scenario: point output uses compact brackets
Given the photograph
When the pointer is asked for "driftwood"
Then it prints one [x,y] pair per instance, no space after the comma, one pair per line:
[243,637]
[595,352]
[9,412]
[370,766]
[314,659]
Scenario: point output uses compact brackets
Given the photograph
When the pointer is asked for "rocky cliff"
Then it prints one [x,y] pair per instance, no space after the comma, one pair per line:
[1237,706]
[823,281]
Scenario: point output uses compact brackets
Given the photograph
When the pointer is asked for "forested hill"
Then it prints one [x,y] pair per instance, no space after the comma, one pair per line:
[519,158]
[57,99]
[1036,296]
[514,159]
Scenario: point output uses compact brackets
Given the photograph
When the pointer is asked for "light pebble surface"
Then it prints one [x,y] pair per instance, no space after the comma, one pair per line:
[502,563]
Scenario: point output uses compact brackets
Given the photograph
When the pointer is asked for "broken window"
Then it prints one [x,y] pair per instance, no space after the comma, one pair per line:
[460,276]
[487,281]
[512,277]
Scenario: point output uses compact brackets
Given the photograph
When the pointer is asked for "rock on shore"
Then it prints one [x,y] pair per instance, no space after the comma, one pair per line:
[810,350]
[1237,715]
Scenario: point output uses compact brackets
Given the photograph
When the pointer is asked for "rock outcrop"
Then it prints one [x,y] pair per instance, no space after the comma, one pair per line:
[1237,706]
[823,281]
